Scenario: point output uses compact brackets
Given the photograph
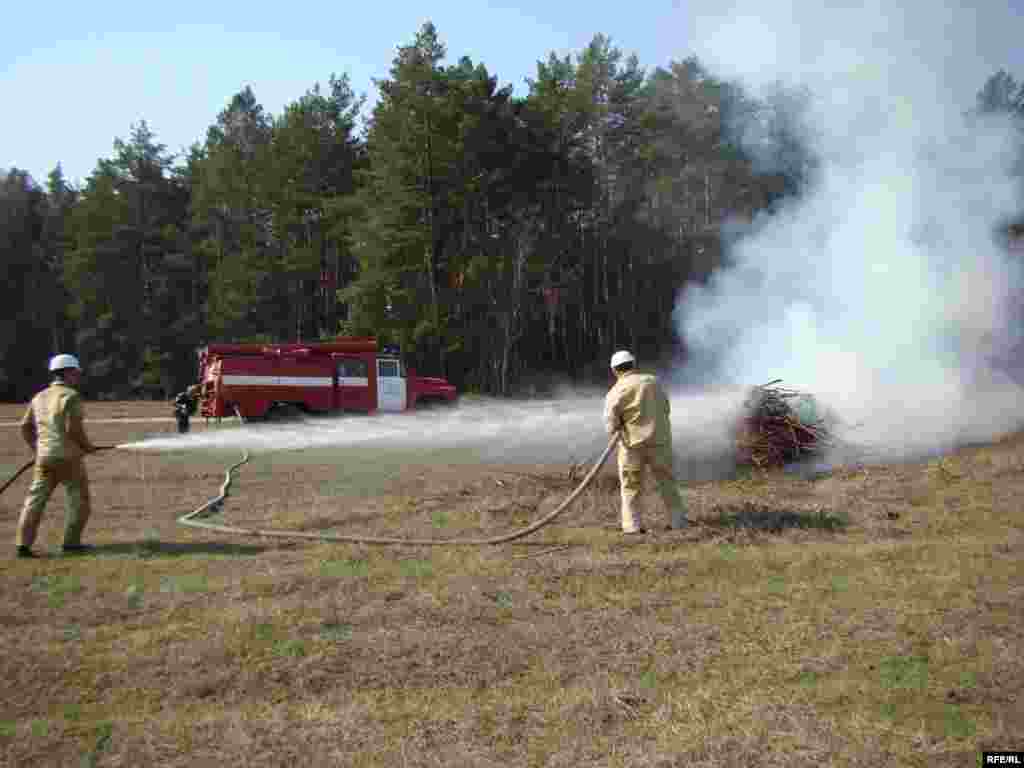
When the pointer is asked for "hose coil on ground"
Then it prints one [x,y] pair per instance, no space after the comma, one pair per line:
[192,519]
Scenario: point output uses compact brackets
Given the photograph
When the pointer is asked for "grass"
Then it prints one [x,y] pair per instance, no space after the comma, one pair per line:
[57,587]
[904,672]
[102,735]
[342,569]
[756,516]
[958,725]
[415,568]
[185,583]
[135,594]
[867,618]
[335,632]
[290,648]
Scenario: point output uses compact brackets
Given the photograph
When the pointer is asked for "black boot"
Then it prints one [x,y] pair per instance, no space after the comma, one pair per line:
[24,551]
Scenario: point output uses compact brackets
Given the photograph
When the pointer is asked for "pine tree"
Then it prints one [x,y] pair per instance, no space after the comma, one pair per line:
[313,157]
[129,221]
[27,288]
[233,220]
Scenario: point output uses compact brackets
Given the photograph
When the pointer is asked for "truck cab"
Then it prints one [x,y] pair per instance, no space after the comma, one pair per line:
[392,385]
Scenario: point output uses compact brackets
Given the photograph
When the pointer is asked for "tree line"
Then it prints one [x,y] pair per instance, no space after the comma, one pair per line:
[498,239]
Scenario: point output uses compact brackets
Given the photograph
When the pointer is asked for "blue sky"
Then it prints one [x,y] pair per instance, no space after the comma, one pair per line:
[75,75]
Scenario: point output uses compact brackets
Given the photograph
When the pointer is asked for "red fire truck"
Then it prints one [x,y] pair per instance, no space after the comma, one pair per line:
[347,374]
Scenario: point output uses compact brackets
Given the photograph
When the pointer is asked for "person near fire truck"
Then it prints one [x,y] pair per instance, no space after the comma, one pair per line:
[53,427]
[185,405]
[638,409]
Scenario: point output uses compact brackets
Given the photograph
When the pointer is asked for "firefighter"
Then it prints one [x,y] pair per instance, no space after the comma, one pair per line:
[54,430]
[637,407]
[185,406]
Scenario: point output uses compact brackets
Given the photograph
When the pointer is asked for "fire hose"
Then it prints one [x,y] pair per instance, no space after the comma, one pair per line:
[192,518]
[28,465]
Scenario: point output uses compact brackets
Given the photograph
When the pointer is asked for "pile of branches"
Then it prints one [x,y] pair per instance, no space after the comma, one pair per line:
[771,434]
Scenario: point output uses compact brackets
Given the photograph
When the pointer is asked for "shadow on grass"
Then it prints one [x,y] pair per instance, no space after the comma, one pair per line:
[759,517]
[153,548]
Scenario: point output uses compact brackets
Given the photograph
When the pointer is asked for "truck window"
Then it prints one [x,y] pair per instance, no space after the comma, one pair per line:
[353,369]
[388,369]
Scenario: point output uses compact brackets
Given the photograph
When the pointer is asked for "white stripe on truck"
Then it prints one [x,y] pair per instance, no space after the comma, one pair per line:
[305,381]
[278,381]
[249,380]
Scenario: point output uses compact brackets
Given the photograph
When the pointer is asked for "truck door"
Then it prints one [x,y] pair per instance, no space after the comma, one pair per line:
[390,384]
[353,383]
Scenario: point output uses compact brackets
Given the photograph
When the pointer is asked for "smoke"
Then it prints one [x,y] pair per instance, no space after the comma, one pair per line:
[882,289]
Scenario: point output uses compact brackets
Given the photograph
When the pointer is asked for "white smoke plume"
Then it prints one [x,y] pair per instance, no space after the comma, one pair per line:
[882,289]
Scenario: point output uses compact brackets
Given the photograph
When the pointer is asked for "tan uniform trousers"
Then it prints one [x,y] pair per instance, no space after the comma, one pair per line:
[47,476]
[632,462]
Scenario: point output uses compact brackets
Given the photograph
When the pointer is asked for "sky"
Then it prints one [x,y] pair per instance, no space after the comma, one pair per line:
[74,76]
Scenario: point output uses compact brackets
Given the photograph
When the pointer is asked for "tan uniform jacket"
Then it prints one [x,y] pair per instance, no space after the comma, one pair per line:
[637,405]
[53,424]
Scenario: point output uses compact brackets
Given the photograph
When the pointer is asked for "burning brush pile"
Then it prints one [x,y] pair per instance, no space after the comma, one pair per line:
[779,426]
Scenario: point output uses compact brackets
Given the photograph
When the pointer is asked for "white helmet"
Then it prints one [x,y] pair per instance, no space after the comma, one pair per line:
[621,357]
[60,362]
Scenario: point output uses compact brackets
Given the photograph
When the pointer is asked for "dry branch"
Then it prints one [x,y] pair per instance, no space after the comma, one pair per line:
[770,433]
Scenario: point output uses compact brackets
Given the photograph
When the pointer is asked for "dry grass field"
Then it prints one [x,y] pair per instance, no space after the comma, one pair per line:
[866,618]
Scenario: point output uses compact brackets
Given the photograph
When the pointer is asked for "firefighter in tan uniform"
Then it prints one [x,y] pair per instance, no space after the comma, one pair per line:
[637,407]
[53,428]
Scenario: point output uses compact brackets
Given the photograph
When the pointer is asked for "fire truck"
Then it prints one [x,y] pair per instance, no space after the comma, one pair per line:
[346,374]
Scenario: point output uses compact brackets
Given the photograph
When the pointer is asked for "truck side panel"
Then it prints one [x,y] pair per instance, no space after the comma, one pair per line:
[249,383]
[256,382]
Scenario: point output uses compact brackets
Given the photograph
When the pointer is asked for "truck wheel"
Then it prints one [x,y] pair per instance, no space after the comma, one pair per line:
[284,412]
